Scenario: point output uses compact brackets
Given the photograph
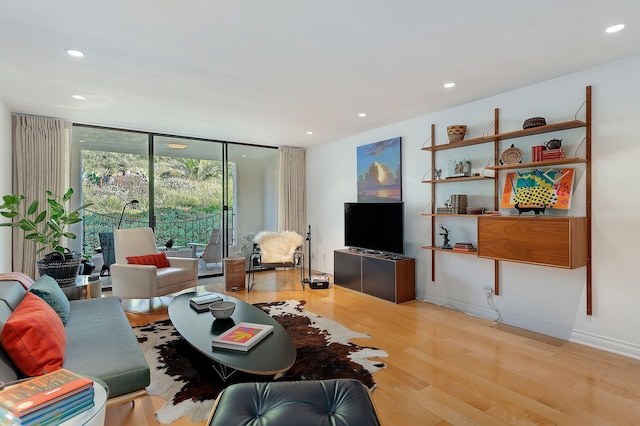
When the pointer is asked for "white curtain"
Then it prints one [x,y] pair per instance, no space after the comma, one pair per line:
[291,193]
[40,163]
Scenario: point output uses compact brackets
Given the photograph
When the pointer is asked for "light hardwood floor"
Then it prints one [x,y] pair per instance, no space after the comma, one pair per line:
[446,367]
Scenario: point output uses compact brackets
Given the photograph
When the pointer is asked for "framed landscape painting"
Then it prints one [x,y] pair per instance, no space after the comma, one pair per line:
[380,171]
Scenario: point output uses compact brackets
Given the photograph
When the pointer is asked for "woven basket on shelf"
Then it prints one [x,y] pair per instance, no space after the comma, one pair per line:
[534,122]
[456,132]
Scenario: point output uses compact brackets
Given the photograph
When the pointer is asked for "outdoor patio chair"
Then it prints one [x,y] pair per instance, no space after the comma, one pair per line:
[108,252]
[212,252]
[276,250]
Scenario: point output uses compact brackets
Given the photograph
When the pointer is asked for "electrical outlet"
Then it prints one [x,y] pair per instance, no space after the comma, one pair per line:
[488,291]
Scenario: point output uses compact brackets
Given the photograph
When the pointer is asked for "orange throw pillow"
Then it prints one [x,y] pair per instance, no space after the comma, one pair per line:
[158,260]
[34,337]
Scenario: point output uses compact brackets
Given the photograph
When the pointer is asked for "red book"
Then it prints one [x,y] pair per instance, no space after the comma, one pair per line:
[536,153]
[37,392]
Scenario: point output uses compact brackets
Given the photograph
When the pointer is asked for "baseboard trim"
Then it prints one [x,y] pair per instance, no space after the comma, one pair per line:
[591,340]
[606,344]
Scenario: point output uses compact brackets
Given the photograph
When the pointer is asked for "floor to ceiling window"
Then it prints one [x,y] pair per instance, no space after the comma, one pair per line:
[203,198]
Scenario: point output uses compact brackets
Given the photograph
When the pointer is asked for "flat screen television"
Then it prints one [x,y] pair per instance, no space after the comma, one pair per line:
[374,226]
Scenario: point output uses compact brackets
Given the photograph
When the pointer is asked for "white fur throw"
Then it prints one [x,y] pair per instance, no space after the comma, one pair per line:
[278,247]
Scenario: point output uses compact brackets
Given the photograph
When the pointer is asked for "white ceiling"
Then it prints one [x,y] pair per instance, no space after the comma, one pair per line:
[266,72]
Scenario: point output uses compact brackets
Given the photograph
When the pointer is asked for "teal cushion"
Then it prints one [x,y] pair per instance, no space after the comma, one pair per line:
[48,290]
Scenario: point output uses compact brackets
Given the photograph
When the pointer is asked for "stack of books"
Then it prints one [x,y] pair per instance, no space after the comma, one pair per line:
[201,303]
[48,399]
[444,210]
[552,154]
[464,247]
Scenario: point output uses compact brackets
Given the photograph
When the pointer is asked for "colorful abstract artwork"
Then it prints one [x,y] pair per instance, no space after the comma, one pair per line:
[545,187]
[379,171]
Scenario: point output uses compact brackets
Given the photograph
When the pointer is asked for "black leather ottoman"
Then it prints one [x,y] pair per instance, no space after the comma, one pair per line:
[317,403]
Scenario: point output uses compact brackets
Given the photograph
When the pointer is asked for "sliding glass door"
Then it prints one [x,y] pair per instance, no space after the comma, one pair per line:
[254,200]
[188,188]
[204,199]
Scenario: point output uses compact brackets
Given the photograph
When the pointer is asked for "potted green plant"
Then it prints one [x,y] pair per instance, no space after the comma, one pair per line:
[48,227]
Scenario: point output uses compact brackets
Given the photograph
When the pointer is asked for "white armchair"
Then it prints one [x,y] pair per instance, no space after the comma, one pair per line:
[133,281]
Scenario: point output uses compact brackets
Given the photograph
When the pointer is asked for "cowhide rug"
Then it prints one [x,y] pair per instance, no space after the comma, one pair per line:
[187,381]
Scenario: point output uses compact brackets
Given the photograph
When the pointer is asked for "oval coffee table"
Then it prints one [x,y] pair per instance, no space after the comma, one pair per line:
[275,354]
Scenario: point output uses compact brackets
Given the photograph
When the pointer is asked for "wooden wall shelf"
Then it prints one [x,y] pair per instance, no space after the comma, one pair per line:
[517,238]
[436,248]
[459,179]
[452,214]
[574,124]
[538,164]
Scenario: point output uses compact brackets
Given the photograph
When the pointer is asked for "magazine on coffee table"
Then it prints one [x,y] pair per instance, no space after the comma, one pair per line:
[242,337]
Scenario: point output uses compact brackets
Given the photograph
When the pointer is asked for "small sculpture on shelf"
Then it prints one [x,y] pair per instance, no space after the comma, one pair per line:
[535,209]
[445,234]
[437,174]
[446,209]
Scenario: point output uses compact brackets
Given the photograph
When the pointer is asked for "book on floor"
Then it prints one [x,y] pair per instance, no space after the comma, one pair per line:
[243,336]
[38,392]
[201,303]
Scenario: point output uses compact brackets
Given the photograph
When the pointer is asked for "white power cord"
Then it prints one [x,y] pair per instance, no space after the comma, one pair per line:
[493,306]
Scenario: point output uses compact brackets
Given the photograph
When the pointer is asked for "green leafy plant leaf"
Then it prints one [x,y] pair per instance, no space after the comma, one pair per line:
[49,226]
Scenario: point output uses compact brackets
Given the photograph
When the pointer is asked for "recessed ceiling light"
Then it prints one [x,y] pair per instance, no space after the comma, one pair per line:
[449,85]
[76,53]
[79,97]
[614,28]
[362,114]
[177,146]
[309,132]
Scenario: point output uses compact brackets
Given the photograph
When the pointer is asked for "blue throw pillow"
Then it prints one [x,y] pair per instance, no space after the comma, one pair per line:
[48,290]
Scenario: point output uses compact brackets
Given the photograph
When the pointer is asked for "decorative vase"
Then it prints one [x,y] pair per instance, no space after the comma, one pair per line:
[456,132]
[87,267]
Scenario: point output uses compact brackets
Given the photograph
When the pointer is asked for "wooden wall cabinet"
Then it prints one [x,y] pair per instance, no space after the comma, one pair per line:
[392,278]
[546,241]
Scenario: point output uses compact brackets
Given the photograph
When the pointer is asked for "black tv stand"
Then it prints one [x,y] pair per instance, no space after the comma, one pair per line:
[389,277]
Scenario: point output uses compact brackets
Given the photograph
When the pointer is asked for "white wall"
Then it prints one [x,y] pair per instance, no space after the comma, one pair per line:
[543,299]
[5,183]
[257,202]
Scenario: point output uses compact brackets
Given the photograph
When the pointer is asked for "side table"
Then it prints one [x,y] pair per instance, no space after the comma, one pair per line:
[234,273]
[82,287]
[94,416]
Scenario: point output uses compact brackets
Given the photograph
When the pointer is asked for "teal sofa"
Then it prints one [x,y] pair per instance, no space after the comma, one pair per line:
[99,343]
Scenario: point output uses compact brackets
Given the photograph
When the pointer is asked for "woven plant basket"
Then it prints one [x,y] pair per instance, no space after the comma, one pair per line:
[456,132]
[64,271]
